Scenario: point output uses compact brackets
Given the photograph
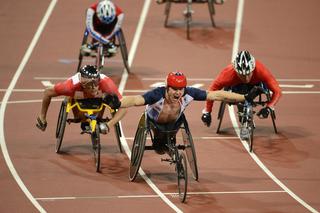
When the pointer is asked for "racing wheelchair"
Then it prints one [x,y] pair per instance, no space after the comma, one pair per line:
[101,50]
[246,113]
[187,13]
[178,154]
[91,109]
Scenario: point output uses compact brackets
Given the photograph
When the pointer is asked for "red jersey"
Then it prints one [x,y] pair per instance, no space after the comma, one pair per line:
[72,87]
[228,77]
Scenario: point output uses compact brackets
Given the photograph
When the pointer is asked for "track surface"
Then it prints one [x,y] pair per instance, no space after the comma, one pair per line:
[282,34]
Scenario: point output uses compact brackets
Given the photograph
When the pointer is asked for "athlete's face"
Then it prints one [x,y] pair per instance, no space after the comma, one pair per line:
[89,85]
[174,94]
[245,78]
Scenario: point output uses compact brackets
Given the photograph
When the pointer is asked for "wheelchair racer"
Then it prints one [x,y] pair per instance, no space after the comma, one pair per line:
[166,104]
[88,83]
[103,20]
[241,75]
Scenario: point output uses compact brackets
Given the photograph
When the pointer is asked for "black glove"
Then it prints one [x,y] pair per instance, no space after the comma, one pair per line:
[206,119]
[112,100]
[253,93]
[264,112]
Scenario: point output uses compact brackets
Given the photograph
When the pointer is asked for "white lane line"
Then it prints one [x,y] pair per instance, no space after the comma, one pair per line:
[121,87]
[296,86]
[50,78]
[198,138]
[47,83]
[155,196]
[235,124]
[5,101]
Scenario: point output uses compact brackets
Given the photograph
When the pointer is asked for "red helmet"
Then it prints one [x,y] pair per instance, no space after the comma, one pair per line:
[176,79]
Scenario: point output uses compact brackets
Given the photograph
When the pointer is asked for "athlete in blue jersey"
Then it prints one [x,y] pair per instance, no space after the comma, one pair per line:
[165,105]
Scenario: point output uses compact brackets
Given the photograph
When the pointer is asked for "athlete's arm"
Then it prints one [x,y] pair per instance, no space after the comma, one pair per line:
[117,117]
[221,95]
[129,101]
[115,29]
[49,92]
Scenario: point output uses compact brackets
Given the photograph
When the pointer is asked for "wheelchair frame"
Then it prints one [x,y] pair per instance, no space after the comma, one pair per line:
[188,12]
[176,156]
[119,41]
[247,115]
[91,116]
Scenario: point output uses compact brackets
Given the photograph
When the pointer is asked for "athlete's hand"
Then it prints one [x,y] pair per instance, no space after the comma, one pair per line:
[264,112]
[253,93]
[112,100]
[206,119]
[42,125]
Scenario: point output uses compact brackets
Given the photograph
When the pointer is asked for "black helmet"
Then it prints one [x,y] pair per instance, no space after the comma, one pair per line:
[244,63]
[89,71]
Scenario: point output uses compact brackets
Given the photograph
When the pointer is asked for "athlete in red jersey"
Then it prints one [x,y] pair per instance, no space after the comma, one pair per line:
[88,83]
[244,70]
[103,20]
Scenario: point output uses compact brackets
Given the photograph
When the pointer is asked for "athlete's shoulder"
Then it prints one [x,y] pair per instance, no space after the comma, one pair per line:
[118,10]
[94,6]
[196,93]
[154,95]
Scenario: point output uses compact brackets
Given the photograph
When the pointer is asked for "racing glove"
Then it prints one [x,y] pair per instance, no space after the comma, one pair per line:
[264,112]
[206,119]
[112,100]
[253,93]
[42,125]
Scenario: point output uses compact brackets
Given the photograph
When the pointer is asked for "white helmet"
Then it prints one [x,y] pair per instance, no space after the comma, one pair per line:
[244,63]
[106,11]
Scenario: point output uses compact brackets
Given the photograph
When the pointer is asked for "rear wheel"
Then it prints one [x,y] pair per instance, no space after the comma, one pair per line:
[138,148]
[211,12]
[182,173]
[273,118]
[124,50]
[188,17]
[61,124]
[95,139]
[190,150]
[220,115]
[166,13]
[118,135]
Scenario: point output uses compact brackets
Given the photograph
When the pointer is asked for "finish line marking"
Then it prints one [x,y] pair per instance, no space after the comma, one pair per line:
[156,196]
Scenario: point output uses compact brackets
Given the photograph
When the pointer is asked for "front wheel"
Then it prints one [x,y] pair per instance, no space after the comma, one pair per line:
[182,174]
[96,146]
[250,139]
